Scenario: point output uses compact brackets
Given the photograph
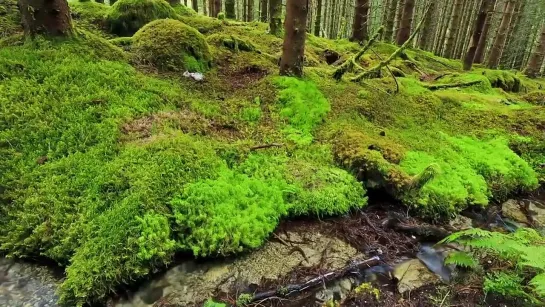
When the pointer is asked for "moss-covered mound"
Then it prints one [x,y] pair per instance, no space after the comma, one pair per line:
[171,45]
[90,15]
[233,42]
[128,16]
[183,10]
[10,18]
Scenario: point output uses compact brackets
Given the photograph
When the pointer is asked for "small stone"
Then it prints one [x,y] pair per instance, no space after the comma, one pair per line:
[537,212]
[511,209]
[413,274]
[461,222]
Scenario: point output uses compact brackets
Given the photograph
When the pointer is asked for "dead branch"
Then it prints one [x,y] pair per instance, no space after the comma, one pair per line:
[434,87]
[377,68]
[428,232]
[389,70]
[317,281]
[352,63]
[266,146]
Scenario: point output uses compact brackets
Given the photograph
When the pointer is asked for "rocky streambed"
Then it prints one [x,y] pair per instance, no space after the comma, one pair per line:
[411,271]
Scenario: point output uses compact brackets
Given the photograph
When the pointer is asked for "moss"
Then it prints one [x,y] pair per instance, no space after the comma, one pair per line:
[505,80]
[171,45]
[233,42]
[10,18]
[183,10]
[535,97]
[203,24]
[90,15]
[122,42]
[128,16]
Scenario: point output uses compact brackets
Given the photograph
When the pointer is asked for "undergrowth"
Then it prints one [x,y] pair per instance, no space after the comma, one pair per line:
[519,270]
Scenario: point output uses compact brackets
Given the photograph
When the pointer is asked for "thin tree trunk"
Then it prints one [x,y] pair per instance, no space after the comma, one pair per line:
[461,35]
[426,35]
[293,50]
[264,11]
[245,10]
[204,9]
[453,29]
[508,56]
[216,6]
[538,55]
[359,28]
[195,4]
[499,42]
[275,21]
[481,46]
[250,10]
[390,21]
[399,16]
[444,28]
[406,20]
[50,17]
[477,33]
[331,18]
[318,21]
[230,9]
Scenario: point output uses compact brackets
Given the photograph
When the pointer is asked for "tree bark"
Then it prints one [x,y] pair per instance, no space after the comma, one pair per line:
[50,17]
[264,11]
[230,9]
[318,21]
[499,42]
[204,9]
[481,46]
[477,33]
[217,7]
[513,43]
[293,50]
[538,55]
[275,21]
[250,10]
[399,16]
[195,4]
[390,21]
[426,36]
[406,20]
[453,29]
[361,17]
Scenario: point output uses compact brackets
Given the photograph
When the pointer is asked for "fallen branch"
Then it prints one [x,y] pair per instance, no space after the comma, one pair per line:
[349,64]
[317,281]
[389,70]
[428,232]
[376,69]
[434,87]
[266,146]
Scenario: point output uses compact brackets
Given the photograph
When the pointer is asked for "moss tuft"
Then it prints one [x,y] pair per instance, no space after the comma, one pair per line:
[171,45]
[505,80]
[128,16]
[233,42]
[203,24]
[183,10]
[10,18]
[535,97]
[90,15]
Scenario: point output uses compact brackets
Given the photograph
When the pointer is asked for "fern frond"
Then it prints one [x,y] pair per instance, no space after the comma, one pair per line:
[538,282]
[466,234]
[532,256]
[462,259]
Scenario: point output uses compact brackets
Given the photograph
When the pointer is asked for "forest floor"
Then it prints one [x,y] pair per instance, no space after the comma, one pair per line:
[115,160]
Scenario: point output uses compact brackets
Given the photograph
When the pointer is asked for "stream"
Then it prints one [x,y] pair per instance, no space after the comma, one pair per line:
[298,249]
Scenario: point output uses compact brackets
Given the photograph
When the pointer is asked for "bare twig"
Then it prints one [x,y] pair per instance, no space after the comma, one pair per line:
[262,146]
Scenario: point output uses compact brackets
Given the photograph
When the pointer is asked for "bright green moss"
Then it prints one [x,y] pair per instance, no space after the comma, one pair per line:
[128,16]
[171,45]
[90,15]
[506,80]
[303,105]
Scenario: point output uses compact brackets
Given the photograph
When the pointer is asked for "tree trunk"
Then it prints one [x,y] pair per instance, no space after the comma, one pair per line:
[399,16]
[204,9]
[390,21]
[462,29]
[264,11]
[173,2]
[50,17]
[293,50]
[250,10]
[318,21]
[217,7]
[538,55]
[230,9]
[426,36]
[245,10]
[481,46]
[275,23]
[499,42]
[444,26]
[477,33]
[195,4]
[406,20]
[453,29]
[331,18]
[361,16]
[510,53]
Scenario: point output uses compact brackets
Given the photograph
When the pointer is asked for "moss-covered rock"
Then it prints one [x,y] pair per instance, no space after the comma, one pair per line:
[203,24]
[171,45]
[183,10]
[233,42]
[128,16]
[89,15]
[535,97]
[505,80]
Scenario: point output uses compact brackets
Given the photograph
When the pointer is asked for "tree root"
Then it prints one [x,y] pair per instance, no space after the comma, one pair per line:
[289,290]
[434,87]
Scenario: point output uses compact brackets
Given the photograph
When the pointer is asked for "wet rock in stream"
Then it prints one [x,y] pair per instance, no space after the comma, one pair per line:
[192,282]
[27,284]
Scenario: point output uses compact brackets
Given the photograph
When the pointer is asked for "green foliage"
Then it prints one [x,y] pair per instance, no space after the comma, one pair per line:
[244,299]
[212,303]
[462,259]
[304,106]
[525,248]
[128,16]
[171,45]
[90,15]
